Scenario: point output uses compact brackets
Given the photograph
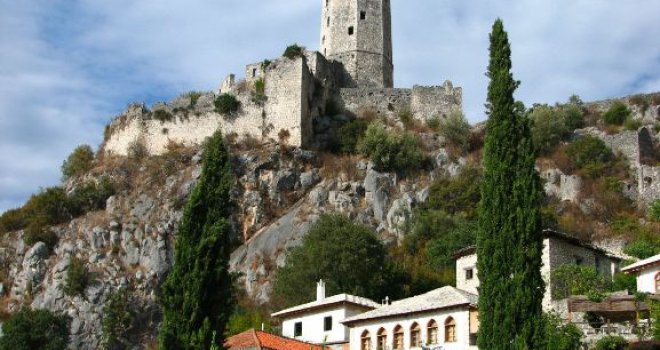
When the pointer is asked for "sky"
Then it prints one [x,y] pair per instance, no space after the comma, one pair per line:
[67,67]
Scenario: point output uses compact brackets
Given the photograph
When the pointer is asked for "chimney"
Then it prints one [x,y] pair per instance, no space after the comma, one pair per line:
[320,291]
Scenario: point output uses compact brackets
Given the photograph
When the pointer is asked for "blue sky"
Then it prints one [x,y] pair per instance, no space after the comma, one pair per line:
[68,66]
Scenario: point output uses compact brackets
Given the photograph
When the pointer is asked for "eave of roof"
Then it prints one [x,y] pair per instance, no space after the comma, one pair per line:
[340,299]
[642,264]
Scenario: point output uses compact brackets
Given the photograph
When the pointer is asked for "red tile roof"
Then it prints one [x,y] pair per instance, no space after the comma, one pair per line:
[253,339]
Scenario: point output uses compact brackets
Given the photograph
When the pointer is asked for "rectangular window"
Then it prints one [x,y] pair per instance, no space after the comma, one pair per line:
[350,30]
[327,323]
[297,329]
[469,274]
[363,14]
[578,260]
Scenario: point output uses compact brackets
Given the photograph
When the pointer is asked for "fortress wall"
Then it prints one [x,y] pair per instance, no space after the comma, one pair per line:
[435,101]
[383,101]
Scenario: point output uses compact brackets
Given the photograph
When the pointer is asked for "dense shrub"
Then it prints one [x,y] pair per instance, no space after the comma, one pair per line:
[646,245]
[194,97]
[77,277]
[406,117]
[38,231]
[48,205]
[612,342]
[90,196]
[459,194]
[577,280]
[390,151]
[226,104]
[551,125]
[434,123]
[447,240]
[632,124]
[35,330]
[13,220]
[293,51]
[456,130]
[560,336]
[350,133]
[78,162]
[162,115]
[616,114]
[118,317]
[654,210]
[137,150]
[590,154]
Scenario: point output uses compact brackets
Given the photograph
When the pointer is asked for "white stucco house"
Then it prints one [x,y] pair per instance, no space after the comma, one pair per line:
[558,249]
[444,318]
[648,274]
[319,322]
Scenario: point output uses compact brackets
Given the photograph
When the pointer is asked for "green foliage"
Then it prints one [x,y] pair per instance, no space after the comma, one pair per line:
[551,125]
[572,279]
[509,241]
[90,196]
[632,124]
[612,342]
[590,154]
[259,93]
[459,194]
[646,245]
[654,210]
[77,277]
[35,330]
[617,114]
[13,220]
[456,130]
[226,104]
[163,115]
[265,64]
[194,97]
[434,123]
[654,307]
[118,317]
[244,319]
[624,281]
[196,296]
[560,336]
[293,51]
[78,162]
[350,133]
[407,117]
[48,205]
[347,256]
[444,245]
[37,231]
[390,151]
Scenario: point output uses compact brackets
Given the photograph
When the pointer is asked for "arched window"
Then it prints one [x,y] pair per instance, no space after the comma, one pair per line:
[381,339]
[397,340]
[657,283]
[450,330]
[415,335]
[366,341]
[432,332]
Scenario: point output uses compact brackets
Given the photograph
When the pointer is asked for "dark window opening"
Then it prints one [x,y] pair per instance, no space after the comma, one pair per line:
[578,260]
[363,14]
[297,329]
[326,3]
[328,22]
[254,72]
[469,274]
[350,30]
[327,323]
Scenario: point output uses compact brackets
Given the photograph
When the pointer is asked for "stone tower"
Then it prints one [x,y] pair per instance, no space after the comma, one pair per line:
[358,33]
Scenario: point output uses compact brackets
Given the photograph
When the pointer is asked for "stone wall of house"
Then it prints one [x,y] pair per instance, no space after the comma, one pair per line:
[288,85]
[424,101]
[465,263]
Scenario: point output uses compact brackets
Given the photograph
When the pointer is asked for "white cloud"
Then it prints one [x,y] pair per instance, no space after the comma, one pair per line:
[67,66]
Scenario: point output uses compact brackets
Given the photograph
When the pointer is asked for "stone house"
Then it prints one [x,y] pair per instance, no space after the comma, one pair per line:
[319,322]
[558,249]
[648,274]
[445,318]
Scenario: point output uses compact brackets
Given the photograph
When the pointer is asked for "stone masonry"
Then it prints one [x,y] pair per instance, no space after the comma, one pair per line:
[353,71]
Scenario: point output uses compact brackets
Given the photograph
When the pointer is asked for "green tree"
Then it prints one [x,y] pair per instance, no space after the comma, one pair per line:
[572,279]
[196,296]
[456,130]
[390,151]
[77,277]
[78,162]
[459,194]
[35,330]
[560,336]
[617,114]
[654,210]
[347,256]
[509,241]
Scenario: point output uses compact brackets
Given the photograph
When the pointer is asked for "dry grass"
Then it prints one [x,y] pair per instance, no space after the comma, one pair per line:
[344,167]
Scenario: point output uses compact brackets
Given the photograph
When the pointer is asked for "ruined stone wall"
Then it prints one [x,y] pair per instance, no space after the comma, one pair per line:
[425,102]
[287,107]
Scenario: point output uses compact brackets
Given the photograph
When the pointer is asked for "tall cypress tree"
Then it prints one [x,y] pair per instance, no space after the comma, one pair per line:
[196,296]
[509,239]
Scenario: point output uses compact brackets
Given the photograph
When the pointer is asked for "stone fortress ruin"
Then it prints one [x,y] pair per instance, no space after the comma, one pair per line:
[282,99]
